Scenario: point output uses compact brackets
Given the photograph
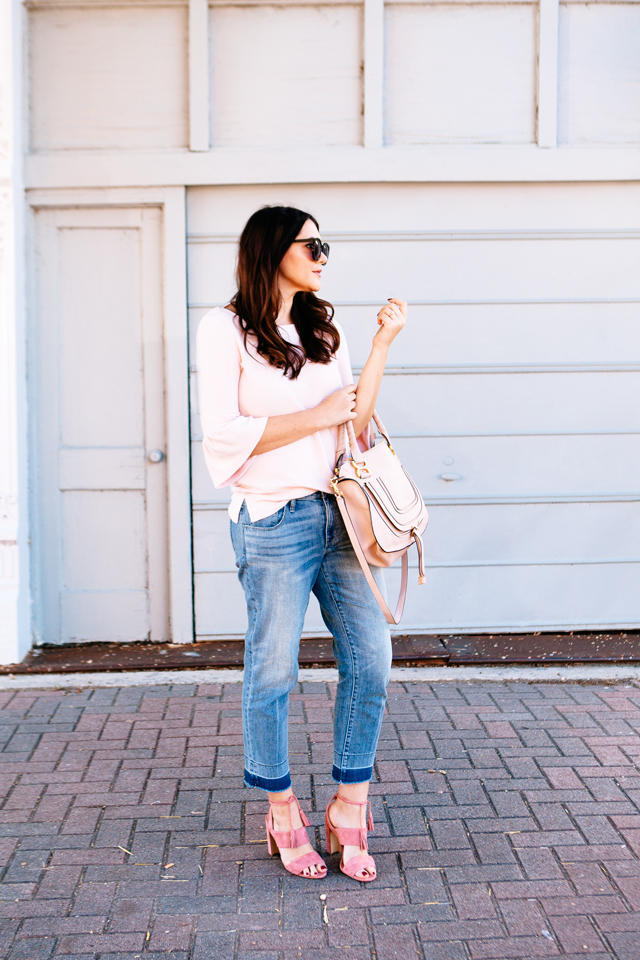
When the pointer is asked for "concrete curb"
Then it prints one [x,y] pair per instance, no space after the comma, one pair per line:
[548,674]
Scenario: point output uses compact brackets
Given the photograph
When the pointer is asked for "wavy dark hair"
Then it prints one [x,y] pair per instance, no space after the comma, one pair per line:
[267,236]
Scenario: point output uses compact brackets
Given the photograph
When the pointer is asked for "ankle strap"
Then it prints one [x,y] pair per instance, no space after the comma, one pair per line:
[283,803]
[354,803]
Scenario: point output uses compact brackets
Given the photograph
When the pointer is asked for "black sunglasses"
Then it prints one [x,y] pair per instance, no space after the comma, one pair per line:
[317,247]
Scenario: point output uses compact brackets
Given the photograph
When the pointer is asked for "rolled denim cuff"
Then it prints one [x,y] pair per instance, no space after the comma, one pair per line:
[270,784]
[357,775]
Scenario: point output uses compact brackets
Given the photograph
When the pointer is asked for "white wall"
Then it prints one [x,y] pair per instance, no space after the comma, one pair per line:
[14,514]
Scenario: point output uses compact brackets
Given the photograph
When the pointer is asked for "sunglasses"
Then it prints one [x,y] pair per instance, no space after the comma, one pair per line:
[317,247]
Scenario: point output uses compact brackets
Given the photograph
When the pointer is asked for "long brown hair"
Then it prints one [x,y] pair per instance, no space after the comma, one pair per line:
[267,236]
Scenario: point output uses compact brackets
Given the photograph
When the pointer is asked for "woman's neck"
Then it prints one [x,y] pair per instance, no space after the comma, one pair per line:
[284,317]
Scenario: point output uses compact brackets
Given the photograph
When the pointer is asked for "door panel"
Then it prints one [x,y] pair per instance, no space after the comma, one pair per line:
[102,557]
[516,376]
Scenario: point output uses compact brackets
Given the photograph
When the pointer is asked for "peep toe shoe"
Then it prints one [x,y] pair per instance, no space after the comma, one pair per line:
[361,867]
[290,839]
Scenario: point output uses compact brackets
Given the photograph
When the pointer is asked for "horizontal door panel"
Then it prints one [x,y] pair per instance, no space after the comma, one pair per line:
[511,403]
[512,598]
[487,467]
[115,468]
[374,207]
[221,610]
[119,615]
[468,598]
[526,334]
[458,269]
[479,269]
[563,466]
[466,534]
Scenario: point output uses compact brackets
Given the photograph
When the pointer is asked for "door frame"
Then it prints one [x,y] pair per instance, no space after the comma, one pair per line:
[171,201]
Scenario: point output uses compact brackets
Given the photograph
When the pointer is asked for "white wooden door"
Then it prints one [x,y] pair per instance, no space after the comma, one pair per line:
[512,394]
[98,394]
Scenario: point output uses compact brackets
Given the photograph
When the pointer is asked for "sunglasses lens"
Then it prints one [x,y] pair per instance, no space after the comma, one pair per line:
[325,250]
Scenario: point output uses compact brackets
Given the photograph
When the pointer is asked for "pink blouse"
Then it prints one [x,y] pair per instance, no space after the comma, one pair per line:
[238,391]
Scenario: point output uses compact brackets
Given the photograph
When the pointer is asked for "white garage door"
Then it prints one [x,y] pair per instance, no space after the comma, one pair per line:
[512,395]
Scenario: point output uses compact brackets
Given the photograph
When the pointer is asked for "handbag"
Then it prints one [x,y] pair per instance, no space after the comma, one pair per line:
[382,509]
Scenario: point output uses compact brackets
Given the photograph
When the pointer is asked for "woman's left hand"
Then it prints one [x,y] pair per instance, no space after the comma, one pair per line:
[391,320]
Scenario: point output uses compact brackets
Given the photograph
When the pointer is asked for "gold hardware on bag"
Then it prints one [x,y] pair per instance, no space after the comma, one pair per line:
[360,467]
[334,484]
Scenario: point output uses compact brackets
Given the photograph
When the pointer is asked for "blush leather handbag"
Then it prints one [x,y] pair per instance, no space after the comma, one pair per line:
[381,507]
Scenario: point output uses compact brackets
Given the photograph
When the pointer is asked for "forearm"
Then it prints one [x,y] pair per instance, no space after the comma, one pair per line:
[368,386]
[287,428]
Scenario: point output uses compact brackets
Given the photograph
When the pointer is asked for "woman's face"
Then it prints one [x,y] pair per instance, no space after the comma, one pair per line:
[298,271]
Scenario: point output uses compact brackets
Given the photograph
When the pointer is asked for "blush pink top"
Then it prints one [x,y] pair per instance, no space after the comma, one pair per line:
[238,391]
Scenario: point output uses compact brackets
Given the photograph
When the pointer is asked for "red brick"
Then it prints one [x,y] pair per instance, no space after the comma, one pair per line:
[517,948]
[521,889]
[81,821]
[576,934]
[392,771]
[171,933]
[162,791]
[23,798]
[562,778]
[346,928]
[395,942]
[52,809]
[131,915]
[589,879]
[500,729]
[522,917]
[83,857]
[107,943]
[7,846]
[582,906]
[473,901]
[59,882]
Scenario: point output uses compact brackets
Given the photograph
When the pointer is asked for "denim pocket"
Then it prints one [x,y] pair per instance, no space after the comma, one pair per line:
[273,520]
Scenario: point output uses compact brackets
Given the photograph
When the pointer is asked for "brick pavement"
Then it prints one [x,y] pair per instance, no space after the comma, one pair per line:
[507,825]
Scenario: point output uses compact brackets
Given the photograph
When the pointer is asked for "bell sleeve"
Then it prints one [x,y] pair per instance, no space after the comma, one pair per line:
[229,438]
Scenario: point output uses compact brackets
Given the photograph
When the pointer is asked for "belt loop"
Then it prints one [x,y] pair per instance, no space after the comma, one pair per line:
[292,505]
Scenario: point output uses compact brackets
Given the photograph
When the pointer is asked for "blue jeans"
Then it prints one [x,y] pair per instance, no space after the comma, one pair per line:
[301,548]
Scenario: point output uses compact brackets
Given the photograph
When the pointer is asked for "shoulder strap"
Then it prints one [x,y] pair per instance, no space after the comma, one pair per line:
[353,536]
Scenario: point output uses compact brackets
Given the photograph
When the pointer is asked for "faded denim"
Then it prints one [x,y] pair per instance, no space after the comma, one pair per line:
[281,559]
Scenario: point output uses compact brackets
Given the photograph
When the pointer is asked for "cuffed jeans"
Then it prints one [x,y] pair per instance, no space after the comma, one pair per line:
[304,548]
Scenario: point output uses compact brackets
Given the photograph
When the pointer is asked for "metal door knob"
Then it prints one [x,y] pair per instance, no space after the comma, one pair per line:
[156,456]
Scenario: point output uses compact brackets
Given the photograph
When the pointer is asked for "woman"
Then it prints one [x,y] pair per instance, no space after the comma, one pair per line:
[275,384]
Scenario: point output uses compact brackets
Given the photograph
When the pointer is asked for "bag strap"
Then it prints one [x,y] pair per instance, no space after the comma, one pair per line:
[347,442]
[382,603]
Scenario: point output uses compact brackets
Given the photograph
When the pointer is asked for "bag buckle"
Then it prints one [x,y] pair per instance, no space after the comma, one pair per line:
[360,468]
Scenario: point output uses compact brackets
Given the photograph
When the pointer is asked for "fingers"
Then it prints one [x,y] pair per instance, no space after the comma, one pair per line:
[392,312]
[401,304]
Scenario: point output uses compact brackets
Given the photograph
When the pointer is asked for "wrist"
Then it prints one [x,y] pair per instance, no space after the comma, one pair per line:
[316,419]
[379,347]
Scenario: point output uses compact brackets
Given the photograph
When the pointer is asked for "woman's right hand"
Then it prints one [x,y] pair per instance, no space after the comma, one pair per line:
[338,407]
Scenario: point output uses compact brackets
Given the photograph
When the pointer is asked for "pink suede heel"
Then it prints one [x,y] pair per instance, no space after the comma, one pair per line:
[340,837]
[290,839]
